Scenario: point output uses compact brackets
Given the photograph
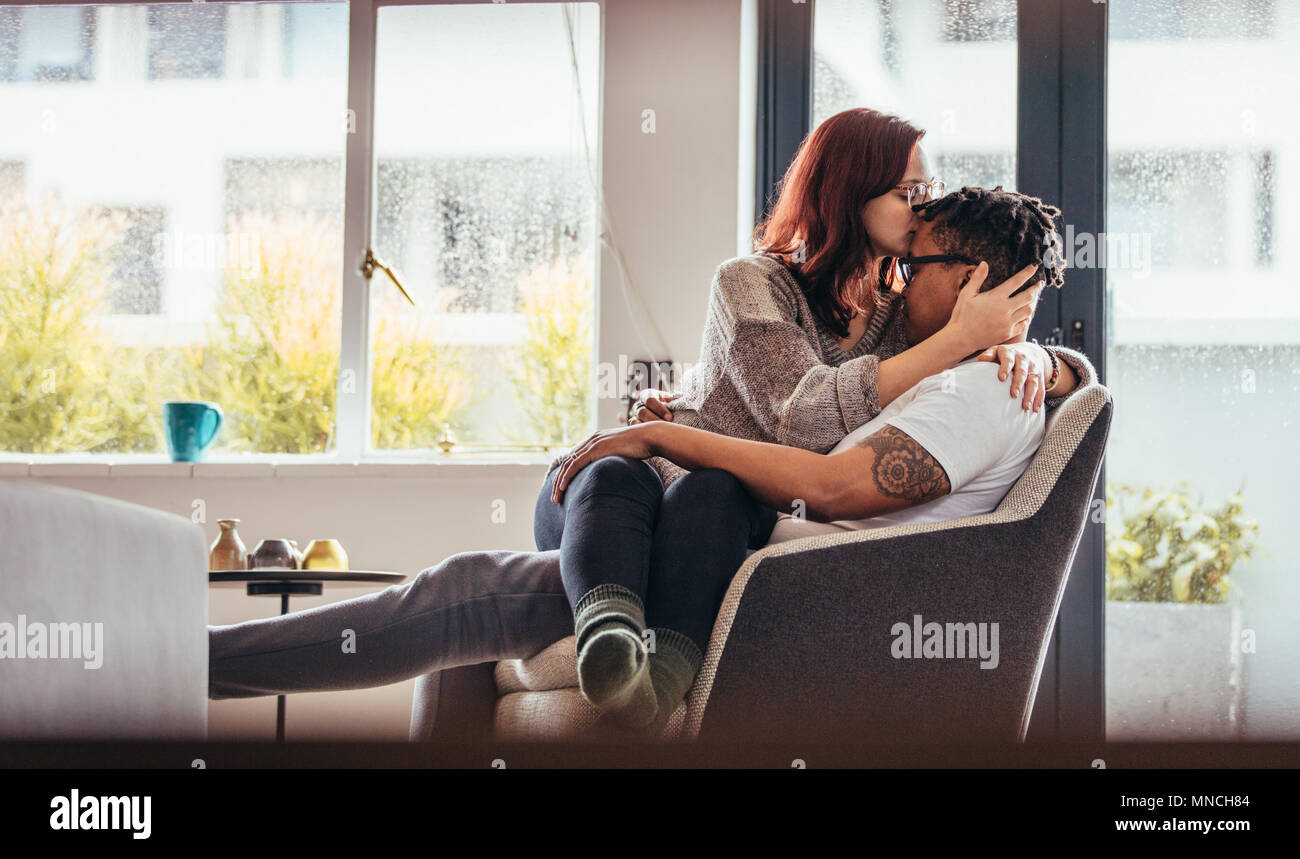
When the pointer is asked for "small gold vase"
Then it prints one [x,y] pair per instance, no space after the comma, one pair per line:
[324,555]
[227,552]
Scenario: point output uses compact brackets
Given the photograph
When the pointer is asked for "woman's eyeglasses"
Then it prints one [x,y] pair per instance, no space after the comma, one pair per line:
[907,265]
[923,192]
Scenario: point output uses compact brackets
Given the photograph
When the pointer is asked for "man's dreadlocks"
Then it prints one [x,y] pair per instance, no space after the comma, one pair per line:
[1007,230]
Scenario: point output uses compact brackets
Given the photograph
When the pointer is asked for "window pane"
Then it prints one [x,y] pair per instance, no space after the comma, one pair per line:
[485,140]
[915,59]
[49,44]
[1158,20]
[1204,361]
[170,223]
[188,42]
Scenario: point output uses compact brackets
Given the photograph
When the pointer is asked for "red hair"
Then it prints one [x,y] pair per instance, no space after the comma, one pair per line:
[815,225]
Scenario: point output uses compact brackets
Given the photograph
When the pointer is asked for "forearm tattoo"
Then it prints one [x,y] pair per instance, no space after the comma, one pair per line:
[903,469]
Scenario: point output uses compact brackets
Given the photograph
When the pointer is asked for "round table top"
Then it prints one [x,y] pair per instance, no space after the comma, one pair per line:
[285,574]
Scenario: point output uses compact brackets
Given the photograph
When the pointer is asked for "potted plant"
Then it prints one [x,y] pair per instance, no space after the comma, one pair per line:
[1173,616]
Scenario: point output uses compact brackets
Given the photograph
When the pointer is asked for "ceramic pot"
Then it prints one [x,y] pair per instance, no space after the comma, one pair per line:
[325,555]
[1174,672]
[227,551]
[273,553]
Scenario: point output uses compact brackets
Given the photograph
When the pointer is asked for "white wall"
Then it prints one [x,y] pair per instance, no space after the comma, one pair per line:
[673,201]
[672,195]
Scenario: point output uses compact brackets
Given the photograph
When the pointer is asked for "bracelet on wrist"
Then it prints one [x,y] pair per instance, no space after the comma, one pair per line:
[1056,367]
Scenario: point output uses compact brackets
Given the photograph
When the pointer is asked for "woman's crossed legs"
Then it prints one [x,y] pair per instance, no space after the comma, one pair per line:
[635,557]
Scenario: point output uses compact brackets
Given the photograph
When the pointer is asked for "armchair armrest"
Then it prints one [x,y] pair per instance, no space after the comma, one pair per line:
[823,640]
[100,565]
[817,637]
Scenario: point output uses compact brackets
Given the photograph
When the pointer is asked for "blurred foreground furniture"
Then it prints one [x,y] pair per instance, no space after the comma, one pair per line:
[70,557]
[803,647]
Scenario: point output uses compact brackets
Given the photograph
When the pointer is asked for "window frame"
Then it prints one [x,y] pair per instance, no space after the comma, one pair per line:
[353,427]
[1062,121]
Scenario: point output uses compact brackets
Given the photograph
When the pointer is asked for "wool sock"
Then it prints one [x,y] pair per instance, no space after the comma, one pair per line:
[674,664]
[613,663]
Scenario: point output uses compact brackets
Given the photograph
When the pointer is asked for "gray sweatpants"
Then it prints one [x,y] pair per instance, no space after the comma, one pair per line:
[473,607]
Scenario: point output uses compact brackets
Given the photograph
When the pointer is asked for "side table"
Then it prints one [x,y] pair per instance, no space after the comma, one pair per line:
[284,583]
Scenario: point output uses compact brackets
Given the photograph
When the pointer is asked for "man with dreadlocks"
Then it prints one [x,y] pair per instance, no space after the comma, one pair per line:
[1001,228]
[951,446]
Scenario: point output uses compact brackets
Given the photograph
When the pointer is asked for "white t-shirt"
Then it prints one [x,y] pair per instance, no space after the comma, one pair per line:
[966,419]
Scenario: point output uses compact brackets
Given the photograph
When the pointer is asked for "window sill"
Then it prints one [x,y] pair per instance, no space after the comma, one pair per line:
[495,466]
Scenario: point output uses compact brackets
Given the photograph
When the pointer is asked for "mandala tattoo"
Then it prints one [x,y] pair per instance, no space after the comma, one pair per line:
[903,469]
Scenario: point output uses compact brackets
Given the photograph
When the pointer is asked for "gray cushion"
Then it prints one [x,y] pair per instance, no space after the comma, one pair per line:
[540,699]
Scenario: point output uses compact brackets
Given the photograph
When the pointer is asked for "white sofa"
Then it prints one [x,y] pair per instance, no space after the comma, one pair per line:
[70,557]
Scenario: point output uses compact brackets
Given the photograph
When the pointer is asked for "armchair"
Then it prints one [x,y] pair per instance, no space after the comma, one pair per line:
[817,638]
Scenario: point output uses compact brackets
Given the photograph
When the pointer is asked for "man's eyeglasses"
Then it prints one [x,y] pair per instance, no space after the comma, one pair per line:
[923,192]
[907,265]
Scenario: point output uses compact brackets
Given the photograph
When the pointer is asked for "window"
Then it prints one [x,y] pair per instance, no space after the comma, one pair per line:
[984,170]
[197,193]
[979,20]
[1261,167]
[134,265]
[486,206]
[903,58]
[1187,198]
[190,236]
[305,185]
[47,44]
[11,178]
[1202,358]
[313,39]
[1201,319]
[1161,20]
[188,42]
[1180,196]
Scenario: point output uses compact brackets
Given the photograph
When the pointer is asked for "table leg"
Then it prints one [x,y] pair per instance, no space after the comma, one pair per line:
[283,590]
[280,699]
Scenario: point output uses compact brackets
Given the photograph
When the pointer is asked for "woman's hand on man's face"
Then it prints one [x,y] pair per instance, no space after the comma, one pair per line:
[633,442]
[1026,365]
[994,316]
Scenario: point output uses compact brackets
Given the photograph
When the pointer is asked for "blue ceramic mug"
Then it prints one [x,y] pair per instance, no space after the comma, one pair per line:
[190,427]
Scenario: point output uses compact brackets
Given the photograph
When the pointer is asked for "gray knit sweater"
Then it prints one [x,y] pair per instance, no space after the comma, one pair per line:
[769,370]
